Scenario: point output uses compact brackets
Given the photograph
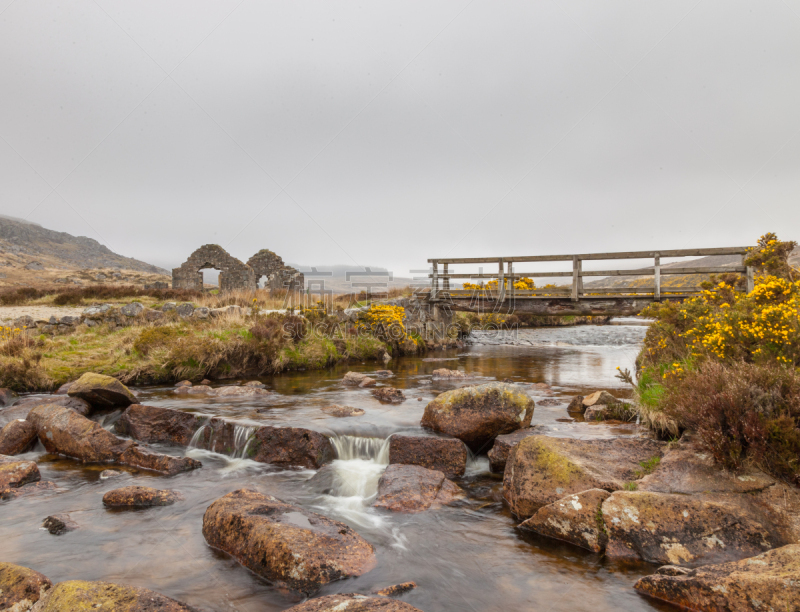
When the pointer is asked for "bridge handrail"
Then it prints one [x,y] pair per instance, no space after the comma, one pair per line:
[507,277]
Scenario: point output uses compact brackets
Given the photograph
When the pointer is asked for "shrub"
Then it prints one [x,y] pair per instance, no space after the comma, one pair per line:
[741,412]
[384,321]
[156,337]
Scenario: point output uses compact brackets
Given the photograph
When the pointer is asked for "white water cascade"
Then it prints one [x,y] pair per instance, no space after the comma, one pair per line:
[198,434]
[242,436]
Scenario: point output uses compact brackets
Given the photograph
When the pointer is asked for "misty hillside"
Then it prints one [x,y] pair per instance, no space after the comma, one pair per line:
[23,243]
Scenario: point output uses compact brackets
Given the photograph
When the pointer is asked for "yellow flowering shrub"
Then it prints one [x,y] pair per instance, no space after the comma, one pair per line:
[523,284]
[384,321]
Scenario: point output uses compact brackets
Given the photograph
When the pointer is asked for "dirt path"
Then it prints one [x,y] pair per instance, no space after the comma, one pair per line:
[43,313]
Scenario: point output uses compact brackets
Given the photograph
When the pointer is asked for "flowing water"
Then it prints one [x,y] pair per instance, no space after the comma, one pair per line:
[465,557]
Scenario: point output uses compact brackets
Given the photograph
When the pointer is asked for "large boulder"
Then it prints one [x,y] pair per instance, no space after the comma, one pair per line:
[158,425]
[101,391]
[686,530]
[353,602]
[21,409]
[80,595]
[501,449]
[15,473]
[603,398]
[448,455]
[477,415]
[769,581]
[17,437]
[541,470]
[291,446]
[139,497]
[285,544]
[576,519]
[64,432]
[20,587]
[410,488]
[389,395]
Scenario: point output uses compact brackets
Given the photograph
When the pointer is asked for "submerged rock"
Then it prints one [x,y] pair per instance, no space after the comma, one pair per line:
[448,455]
[353,602]
[353,378]
[368,382]
[235,391]
[15,473]
[477,415]
[20,587]
[342,411]
[541,470]
[59,524]
[285,544]
[410,488]
[502,446]
[7,397]
[389,395]
[685,530]
[396,589]
[576,405]
[140,497]
[17,437]
[769,581]
[64,432]
[79,595]
[101,391]
[445,374]
[576,519]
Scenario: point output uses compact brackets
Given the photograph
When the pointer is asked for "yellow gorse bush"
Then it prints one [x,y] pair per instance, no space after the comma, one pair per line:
[762,326]
[523,284]
[7,333]
[384,321]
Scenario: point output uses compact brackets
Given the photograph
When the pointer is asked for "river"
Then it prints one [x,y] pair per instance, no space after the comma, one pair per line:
[466,557]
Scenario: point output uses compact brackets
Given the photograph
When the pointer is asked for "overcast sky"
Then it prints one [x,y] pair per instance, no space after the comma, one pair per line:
[386,133]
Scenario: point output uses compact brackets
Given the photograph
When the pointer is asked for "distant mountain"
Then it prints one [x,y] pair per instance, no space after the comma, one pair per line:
[352,278]
[22,240]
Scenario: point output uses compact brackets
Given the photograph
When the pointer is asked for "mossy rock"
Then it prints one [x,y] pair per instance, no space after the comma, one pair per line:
[102,391]
[20,587]
[478,414]
[85,596]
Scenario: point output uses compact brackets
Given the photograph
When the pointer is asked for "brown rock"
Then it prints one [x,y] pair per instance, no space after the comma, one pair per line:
[80,406]
[502,446]
[384,373]
[342,411]
[478,414]
[158,425]
[184,383]
[541,470]
[687,530]
[576,519]
[243,391]
[20,587]
[7,396]
[285,544]
[255,383]
[140,497]
[106,474]
[17,437]
[15,473]
[59,524]
[410,488]
[62,390]
[28,489]
[445,374]
[769,581]
[353,378]
[389,395]
[101,391]
[353,602]
[599,397]
[448,455]
[205,382]
[368,382]
[79,595]
[63,431]
[576,405]
[157,462]
[396,589]
[291,446]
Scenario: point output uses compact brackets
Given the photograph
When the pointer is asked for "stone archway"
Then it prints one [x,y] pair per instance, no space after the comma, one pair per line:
[233,274]
[279,275]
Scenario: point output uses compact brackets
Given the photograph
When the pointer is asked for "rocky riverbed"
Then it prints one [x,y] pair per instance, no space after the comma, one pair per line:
[479,491]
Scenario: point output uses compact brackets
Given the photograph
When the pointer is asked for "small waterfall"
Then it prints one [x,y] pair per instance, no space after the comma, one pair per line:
[356,447]
[242,436]
[198,434]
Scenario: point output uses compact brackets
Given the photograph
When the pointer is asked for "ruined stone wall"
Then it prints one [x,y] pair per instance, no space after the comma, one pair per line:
[234,274]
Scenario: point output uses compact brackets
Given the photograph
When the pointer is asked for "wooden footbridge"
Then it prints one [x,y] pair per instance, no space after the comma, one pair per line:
[571,299]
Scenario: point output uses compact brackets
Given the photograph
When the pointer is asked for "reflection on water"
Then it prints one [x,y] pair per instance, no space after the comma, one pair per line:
[469,556]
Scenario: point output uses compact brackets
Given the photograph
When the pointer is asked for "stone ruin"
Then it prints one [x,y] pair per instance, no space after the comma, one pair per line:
[234,274]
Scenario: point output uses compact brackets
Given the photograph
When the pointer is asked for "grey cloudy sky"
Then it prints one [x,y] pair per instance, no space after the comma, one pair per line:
[385,133]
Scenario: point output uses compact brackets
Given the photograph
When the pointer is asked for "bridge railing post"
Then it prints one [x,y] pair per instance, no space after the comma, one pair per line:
[577,279]
[751,281]
[435,280]
[445,279]
[657,275]
[511,281]
[501,283]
